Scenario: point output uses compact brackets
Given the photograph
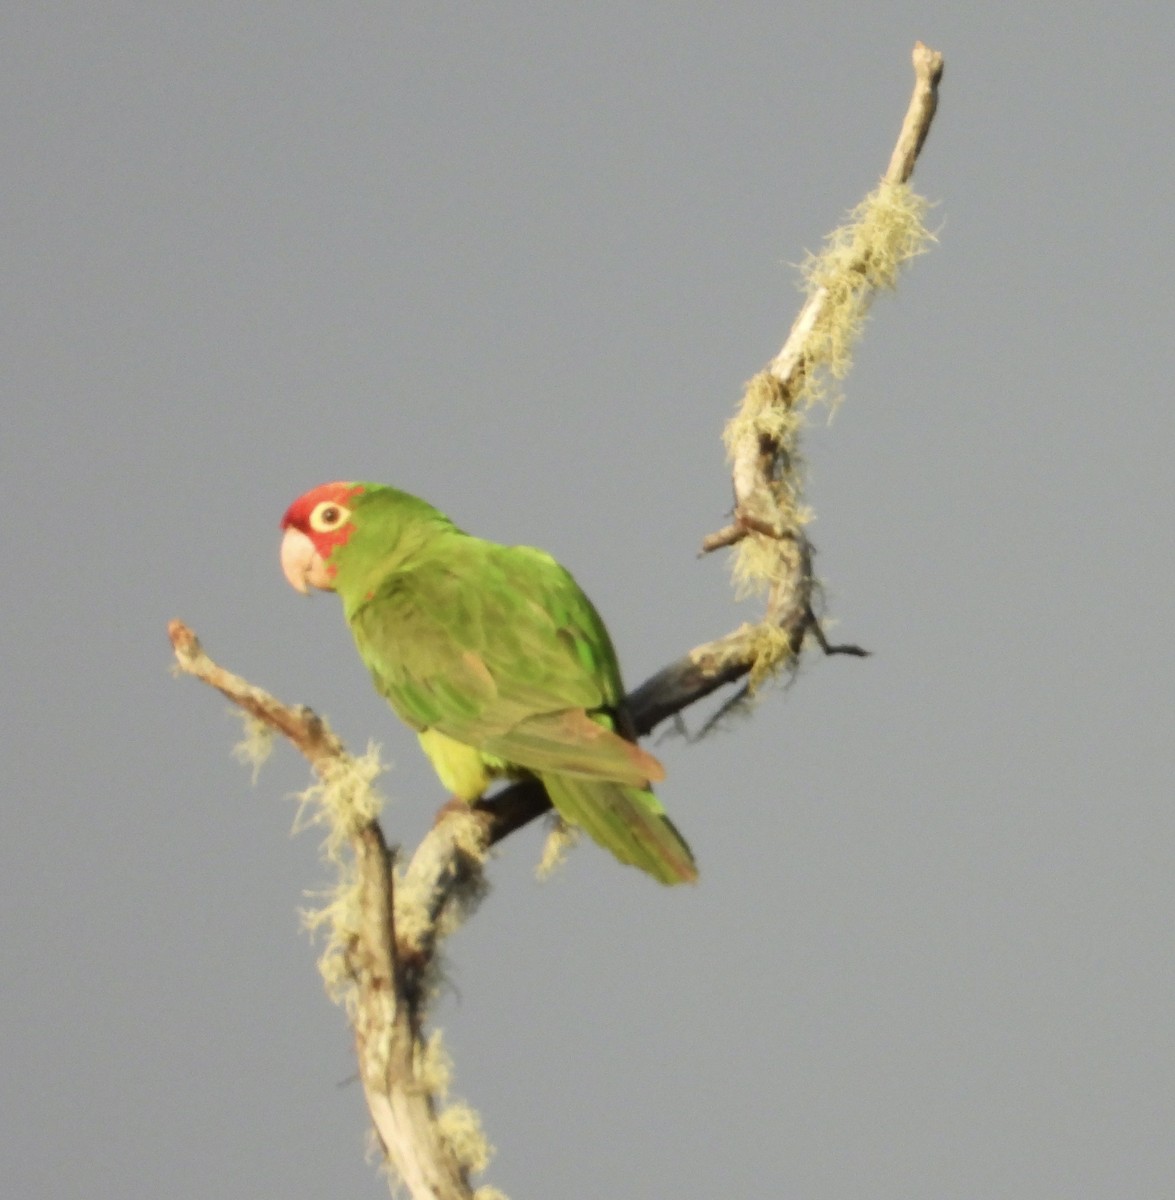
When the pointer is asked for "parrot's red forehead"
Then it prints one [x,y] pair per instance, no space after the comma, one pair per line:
[298,514]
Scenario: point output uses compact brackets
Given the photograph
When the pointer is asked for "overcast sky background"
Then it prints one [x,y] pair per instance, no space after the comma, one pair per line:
[520,259]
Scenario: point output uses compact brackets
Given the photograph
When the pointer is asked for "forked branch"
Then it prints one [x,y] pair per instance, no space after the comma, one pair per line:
[387,925]
[385,921]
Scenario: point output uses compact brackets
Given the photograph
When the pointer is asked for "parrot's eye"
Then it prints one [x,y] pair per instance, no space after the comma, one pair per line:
[328,516]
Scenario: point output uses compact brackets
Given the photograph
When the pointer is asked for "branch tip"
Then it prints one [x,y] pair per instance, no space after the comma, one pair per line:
[183,640]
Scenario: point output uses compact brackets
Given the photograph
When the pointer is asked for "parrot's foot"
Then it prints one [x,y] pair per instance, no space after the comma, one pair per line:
[454,804]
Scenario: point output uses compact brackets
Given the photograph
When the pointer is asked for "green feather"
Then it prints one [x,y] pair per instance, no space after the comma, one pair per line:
[496,650]
[628,821]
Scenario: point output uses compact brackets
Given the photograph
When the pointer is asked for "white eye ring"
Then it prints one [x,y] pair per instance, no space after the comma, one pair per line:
[328,516]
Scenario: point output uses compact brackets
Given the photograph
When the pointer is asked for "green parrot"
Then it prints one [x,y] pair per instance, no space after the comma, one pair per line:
[493,655]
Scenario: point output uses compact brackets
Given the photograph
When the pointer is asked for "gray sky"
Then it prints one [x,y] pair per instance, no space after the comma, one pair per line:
[520,259]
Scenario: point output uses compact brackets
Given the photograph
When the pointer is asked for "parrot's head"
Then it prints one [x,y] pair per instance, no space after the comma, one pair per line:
[315,526]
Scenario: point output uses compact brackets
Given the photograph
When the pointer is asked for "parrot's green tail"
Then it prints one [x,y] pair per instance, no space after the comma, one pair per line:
[628,821]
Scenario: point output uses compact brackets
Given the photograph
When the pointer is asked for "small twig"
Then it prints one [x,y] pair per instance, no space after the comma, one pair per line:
[726,536]
[832,648]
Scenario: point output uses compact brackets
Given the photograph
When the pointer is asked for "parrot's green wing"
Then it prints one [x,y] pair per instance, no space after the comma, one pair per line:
[498,648]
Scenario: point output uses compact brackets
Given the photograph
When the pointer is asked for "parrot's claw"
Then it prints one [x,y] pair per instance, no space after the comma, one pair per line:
[454,804]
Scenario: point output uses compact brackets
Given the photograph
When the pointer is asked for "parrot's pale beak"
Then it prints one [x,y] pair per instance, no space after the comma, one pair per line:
[302,565]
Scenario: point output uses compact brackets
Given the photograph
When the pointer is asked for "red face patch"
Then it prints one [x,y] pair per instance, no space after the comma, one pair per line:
[323,514]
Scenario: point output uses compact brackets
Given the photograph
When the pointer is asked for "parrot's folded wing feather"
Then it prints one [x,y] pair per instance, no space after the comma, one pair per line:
[477,661]
[629,822]
[573,743]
